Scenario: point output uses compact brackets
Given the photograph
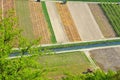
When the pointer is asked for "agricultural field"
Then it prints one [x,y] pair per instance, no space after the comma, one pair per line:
[106,59]
[86,25]
[112,11]
[97,0]
[7,5]
[68,23]
[0,4]
[72,63]
[40,27]
[32,21]
[56,22]
[102,21]
[0,7]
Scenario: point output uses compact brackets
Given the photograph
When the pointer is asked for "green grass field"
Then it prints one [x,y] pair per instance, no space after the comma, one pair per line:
[23,14]
[59,64]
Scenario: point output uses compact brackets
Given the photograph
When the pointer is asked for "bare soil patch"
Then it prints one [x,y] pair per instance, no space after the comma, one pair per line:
[0,4]
[107,58]
[102,21]
[86,25]
[7,5]
[40,27]
[56,23]
[0,8]
[70,27]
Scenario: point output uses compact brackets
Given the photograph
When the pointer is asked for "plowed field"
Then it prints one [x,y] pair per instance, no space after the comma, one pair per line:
[40,27]
[107,58]
[70,27]
[0,4]
[102,21]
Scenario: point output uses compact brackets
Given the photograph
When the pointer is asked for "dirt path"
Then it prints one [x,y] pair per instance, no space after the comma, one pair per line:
[40,28]
[102,21]
[56,23]
[70,27]
[84,20]
[107,58]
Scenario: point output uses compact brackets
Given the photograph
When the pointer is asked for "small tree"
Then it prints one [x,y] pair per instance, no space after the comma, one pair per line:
[22,68]
[97,75]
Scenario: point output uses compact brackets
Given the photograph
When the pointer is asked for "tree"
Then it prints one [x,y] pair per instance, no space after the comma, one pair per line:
[97,75]
[22,68]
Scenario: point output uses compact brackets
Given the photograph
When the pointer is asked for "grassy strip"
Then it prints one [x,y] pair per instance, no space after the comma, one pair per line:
[97,0]
[53,39]
[79,44]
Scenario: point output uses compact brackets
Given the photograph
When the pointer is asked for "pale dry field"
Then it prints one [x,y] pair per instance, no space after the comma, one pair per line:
[69,25]
[40,27]
[86,25]
[56,23]
[107,58]
[102,21]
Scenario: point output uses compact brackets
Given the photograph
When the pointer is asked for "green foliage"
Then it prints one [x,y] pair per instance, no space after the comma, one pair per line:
[97,75]
[53,39]
[22,68]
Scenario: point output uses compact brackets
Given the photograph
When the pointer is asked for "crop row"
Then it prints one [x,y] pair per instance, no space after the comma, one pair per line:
[112,12]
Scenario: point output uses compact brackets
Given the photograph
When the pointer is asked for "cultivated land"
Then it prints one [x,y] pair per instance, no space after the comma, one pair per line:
[24,20]
[0,7]
[112,12]
[107,58]
[87,27]
[71,22]
[56,23]
[73,63]
[97,0]
[40,27]
[70,27]
[0,4]
[102,21]
[7,5]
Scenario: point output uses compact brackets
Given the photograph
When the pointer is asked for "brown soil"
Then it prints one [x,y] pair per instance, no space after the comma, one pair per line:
[0,4]
[0,9]
[40,27]
[102,21]
[7,5]
[107,58]
[70,27]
